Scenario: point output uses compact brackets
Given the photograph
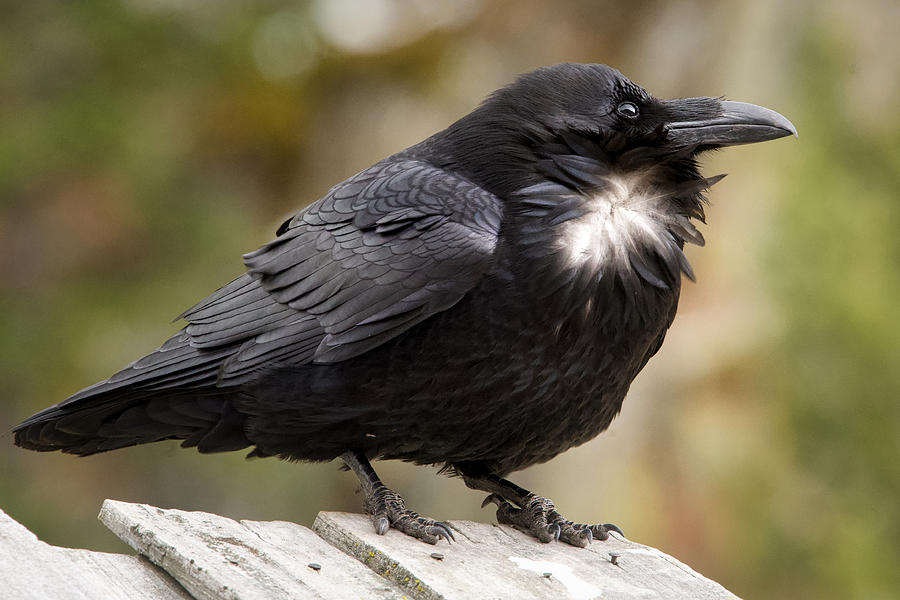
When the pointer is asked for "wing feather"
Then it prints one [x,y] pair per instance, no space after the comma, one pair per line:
[378,254]
[394,245]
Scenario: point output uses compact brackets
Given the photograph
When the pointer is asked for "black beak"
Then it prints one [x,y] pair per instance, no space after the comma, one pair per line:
[708,122]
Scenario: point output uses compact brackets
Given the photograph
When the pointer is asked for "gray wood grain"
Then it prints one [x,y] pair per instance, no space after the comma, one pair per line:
[494,562]
[34,570]
[214,557]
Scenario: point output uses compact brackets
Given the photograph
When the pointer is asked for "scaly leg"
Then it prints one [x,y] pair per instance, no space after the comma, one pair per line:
[387,507]
[534,514]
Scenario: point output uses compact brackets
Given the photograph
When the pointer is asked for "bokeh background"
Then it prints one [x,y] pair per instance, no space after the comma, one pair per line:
[146,144]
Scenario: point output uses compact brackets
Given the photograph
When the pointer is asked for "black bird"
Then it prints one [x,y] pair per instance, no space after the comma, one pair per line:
[480,301]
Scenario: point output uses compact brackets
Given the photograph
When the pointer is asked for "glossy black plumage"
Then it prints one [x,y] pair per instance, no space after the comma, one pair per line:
[481,300]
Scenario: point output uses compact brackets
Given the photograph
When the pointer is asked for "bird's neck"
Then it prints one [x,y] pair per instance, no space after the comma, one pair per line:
[489,148]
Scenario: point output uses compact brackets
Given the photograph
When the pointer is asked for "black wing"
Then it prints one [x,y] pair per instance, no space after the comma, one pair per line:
[381,252]
[377,254]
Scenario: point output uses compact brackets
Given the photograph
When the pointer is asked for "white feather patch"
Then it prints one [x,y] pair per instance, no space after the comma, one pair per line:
[625,212]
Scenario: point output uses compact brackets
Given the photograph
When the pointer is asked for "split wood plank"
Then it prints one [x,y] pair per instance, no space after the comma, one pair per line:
[498,562]
[217,558]
[34,570]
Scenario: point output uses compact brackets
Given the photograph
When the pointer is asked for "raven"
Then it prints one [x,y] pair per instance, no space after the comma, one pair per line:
[480,301]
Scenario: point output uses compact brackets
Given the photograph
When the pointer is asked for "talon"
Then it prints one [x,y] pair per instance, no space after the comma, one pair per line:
[556,531]
[540,519]
[533,514]
[382,525]
[387,507]
[495,499]
[445,532]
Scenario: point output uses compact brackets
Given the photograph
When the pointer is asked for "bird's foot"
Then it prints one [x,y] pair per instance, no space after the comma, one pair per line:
[387,507]
[389,510]
[539,517]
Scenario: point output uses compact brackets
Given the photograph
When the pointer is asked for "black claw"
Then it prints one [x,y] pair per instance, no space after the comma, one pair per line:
[534,514]
[495,499]
[445,532]
[382,525]
[387,507]
[541,519]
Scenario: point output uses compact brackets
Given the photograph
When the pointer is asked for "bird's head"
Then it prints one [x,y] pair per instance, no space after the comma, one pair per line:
[598,99]
[595,170]
[519,124]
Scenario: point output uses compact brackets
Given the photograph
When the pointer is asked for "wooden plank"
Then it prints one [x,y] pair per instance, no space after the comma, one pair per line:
[492,561]
[214,557]
[34,570]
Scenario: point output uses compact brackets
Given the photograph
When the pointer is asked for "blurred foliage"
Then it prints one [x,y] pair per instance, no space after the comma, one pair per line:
[144,144]
[836,368]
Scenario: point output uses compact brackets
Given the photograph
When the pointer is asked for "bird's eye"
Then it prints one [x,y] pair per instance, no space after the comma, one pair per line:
[627,109]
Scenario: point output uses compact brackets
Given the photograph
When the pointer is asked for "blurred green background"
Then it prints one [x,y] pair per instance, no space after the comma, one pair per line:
[146,144]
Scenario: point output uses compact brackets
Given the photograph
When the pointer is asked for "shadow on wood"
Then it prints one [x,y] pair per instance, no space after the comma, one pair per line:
[341,557]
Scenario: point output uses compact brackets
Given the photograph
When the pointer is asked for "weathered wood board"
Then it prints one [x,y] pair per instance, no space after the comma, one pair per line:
[493,562]
[341,557]
[34,570]
[217,558]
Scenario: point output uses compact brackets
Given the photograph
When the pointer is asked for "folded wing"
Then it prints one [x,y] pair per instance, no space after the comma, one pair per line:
[379,253]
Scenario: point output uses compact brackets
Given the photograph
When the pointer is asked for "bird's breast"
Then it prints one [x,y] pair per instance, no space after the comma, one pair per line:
[624,217]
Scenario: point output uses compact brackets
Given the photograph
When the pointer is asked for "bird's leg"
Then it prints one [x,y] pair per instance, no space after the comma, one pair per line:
[387,507]
[534,514]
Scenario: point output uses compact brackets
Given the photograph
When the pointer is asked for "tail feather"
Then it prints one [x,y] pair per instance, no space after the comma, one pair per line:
[203,418]
[171,394]
[188,388]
